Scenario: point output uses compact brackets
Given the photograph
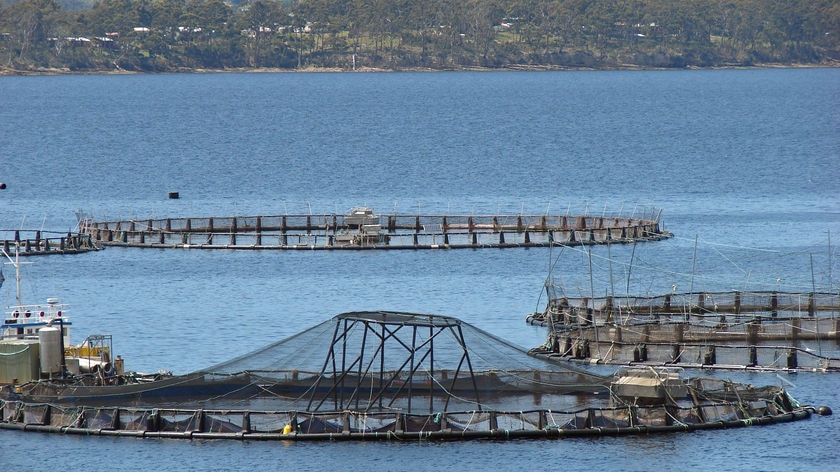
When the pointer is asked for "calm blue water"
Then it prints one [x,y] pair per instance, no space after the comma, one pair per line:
[742,163]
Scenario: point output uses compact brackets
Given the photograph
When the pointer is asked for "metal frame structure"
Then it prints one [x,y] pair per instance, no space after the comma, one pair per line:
[380,331]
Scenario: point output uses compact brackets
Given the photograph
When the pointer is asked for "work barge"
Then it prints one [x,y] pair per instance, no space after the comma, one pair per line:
[741,330]
[363,229]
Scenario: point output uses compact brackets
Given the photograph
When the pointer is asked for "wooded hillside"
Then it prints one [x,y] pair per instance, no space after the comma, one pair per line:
[181,35]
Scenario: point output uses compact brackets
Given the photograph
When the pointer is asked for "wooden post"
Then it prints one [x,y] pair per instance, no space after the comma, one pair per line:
[791,359]
[679,331]
[675,354]
[752,332]
[753,354]
[199,421]
[345,423]
[283,240]
[398,423]
[710,358]
[443,229]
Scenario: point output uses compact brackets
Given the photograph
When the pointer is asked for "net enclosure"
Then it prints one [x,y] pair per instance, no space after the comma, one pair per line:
[391,375]
[383,360]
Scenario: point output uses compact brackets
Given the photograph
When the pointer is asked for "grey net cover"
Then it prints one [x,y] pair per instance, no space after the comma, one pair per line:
[384,361]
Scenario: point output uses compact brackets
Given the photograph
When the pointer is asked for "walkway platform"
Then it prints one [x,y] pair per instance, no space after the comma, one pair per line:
[395,231]
[39,243]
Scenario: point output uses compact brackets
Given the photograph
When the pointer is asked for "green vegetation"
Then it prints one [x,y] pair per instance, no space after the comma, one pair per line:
[184,35]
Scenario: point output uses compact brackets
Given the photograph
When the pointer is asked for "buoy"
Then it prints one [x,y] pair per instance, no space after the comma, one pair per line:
[287,429]
[824,411]
[2,186]
[174,195]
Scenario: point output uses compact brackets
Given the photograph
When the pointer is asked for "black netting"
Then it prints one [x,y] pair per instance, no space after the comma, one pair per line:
[390,360]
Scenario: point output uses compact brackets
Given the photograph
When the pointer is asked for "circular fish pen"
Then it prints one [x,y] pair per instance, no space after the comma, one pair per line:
[391,375]
[363,229]
[759,330]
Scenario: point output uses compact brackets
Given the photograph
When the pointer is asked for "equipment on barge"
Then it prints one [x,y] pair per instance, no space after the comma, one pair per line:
[35,347]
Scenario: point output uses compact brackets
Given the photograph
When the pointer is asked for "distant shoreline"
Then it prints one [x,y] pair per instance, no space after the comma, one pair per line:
[523,68]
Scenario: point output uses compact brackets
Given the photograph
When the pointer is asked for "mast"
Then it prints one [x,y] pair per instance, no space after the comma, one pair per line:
[16,263]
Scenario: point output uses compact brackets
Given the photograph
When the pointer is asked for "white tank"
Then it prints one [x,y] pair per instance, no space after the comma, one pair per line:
[50,340]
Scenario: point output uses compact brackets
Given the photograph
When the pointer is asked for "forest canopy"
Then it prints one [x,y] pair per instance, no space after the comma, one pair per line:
[185,35]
